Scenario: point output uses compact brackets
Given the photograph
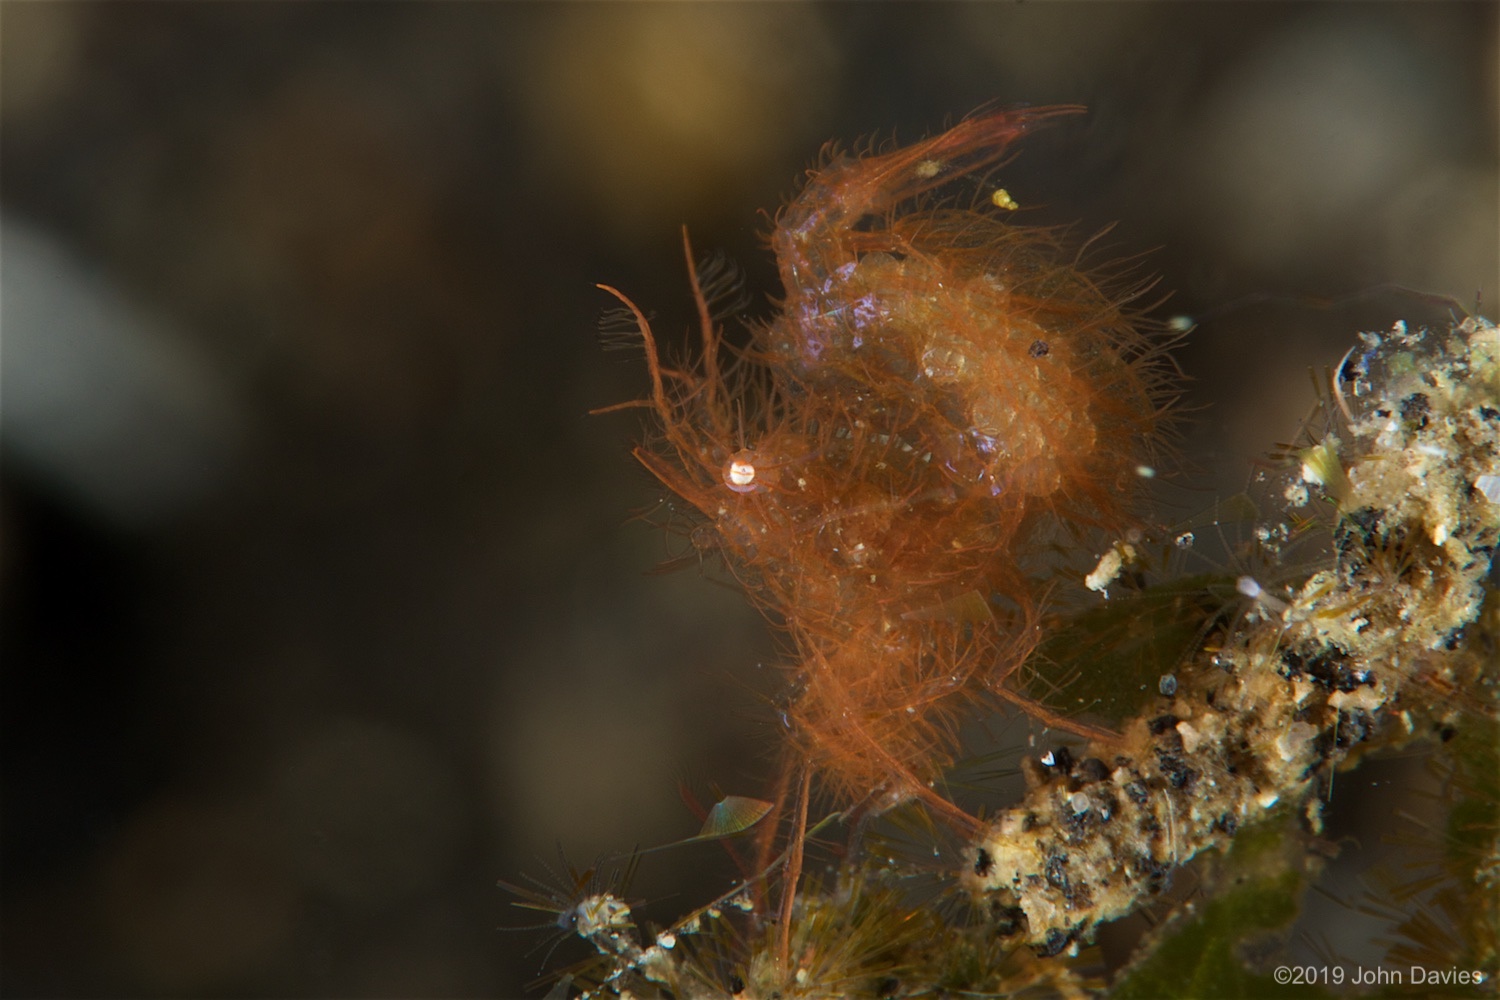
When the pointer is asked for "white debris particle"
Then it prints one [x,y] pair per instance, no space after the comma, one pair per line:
[1108,570]
[1293,740]
[1489,485]
[1191,738]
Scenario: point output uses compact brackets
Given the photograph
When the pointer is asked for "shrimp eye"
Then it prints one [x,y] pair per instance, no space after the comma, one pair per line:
[739,471]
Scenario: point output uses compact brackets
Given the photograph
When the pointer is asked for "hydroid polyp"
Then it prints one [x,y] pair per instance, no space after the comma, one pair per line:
[588,902]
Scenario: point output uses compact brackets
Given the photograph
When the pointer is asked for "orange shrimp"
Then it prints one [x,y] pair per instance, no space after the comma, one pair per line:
[941,393]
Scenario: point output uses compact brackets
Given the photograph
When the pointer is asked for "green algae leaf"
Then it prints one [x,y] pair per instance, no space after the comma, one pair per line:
[731,815]
[1221,946]
[1199,956]
[1109,661]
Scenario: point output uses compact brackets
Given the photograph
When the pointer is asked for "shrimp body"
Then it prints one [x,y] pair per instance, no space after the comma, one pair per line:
[940,393]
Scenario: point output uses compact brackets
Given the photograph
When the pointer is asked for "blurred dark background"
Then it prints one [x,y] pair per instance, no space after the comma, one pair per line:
[322,608]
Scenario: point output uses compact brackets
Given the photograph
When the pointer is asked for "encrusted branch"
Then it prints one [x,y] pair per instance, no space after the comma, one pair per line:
[1361,655]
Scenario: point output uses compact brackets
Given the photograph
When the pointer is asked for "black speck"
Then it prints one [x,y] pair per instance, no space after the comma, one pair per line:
[1077,824]
[1322,745]
[1162,723]
[1354,727]
[983,863]
[887,987]
[1056,943]
[1154,872]
[1446,734]
[1179,775]
[1363,525]
[736,984]
[1454,639]
[1136,791]
[1039,349]
[1415,409]
[1169,742]
[1489,413]
[1227,823]
[1008,920]
[1062,760]
[1328,667]
[1028,822]
[1090,770]
[1057,877]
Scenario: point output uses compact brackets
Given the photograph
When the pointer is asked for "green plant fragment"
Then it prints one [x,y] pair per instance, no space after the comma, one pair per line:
[1197,958]
[1127,643]
[731,815]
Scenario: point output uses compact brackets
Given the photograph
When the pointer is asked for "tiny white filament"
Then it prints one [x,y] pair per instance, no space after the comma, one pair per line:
[1248,586]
